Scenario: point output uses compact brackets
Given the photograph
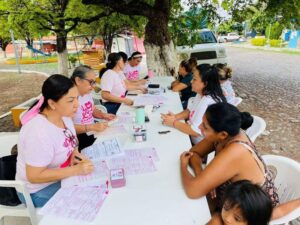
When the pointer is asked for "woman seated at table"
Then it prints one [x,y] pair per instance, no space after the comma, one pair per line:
[132,68]
[236,157]
[207,86]
[47,147]
[114,85]
[225,73]
[183,83]
[137,82]
[84,78]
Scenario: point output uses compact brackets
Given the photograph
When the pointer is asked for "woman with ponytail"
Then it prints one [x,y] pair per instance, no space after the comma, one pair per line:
[225,73]
[207,86]
[47,147]
[114,84]
[236,157]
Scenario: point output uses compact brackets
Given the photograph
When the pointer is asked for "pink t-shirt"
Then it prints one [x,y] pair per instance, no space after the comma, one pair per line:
[42,144]
[132,72]
[84,113]
[113,82]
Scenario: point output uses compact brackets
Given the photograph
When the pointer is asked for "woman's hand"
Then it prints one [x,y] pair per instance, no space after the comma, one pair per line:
[109,116]
[98,127]
[168,120]
[84,167]
[128,101]
[185,158]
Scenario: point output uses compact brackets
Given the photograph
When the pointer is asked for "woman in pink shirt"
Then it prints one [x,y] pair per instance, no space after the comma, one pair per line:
[114,84]
[47,147]
[84,78]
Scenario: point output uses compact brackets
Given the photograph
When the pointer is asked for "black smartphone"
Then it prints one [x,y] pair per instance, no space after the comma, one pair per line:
[147,119]
[153,86]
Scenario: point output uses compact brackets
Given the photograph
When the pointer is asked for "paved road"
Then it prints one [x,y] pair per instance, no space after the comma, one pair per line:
[269,84]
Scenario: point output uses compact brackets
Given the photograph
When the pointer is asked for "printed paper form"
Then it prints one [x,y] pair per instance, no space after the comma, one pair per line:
[133,162]
[100,173]
[78,203]
[149,100]
[102,150]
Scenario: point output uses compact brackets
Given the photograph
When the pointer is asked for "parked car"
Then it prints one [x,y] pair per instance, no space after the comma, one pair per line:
[207,50]
[229,37]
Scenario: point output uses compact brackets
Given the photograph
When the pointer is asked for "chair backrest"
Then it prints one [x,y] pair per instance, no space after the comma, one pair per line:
[236,101]
[258,126]
[7,141]
[286,173]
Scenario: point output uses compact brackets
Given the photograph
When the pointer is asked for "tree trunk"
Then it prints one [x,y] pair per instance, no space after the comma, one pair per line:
[62,52]
[4,54]
[161,54]
[63,62]
[161,59]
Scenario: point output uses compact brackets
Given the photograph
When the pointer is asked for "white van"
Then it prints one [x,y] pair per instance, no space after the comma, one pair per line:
[208,51]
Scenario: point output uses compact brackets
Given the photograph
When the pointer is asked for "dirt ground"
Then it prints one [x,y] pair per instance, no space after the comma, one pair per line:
[15,89]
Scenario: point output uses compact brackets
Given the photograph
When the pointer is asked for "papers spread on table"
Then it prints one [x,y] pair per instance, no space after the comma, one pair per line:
[133,161]
[104,149]
[78,203]
[113,130]
[99,175]
[149,100]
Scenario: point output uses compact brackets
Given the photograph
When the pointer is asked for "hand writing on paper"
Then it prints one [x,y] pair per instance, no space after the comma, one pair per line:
[98,127]
[185,158]
[109,116]
[77,157]
[128,101]
[84,167]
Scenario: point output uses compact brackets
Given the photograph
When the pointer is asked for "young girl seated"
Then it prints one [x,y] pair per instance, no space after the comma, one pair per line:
[224,77]
[132,68]
[244,203]
[183,83]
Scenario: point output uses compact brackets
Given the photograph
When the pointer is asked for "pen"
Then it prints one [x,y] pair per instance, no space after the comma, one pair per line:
[78,158]
[164,132]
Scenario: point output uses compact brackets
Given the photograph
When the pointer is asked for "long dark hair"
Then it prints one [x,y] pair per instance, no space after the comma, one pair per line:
[54,88]
[185,64]
[209,76]
[226,117]
[112,61]
[80,71]
[254,203]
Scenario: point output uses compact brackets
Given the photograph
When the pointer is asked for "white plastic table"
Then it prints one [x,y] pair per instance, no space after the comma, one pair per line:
[154,198]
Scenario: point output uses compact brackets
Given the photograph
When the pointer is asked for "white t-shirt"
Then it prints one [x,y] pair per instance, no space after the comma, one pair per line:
[197,110]
[228,91]
[113,82]
[42,144]
[132,72]
[84,113]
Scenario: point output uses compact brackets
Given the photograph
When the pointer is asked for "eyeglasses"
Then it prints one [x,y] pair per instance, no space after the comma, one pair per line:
[92,82]
[71,138]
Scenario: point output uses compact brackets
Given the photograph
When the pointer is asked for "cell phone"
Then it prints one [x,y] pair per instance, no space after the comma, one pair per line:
[147,119]
[146,77]
[153,86]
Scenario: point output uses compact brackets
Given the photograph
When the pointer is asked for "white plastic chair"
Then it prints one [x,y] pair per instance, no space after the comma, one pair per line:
[7,141]
[256,129]
[236,101]
[19,210]
[286,178]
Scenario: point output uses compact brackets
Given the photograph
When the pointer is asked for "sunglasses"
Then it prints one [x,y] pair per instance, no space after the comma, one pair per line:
[71,138]
[92,82]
